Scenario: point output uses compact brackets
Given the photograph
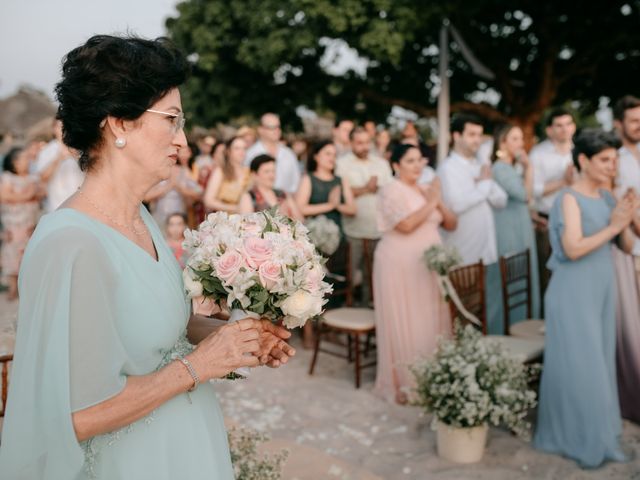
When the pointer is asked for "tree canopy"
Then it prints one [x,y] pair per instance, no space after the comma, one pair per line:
[259,55]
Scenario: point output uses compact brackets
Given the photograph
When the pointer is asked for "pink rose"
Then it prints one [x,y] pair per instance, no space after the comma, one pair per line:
[257,251]
[229,265]
[313,280]
[270,273]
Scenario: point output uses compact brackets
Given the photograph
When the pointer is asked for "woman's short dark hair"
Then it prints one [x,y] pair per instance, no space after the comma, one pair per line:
[175,214]
[260,160]
[9,161]
[592,141]
[117,76]
[400,151]
[312,165]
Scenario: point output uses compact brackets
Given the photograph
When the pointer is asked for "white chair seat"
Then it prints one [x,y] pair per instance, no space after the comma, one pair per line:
[350,318]
[528,329]
[527,349]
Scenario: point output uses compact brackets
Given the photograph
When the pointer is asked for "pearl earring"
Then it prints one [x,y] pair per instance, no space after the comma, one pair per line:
[120,142]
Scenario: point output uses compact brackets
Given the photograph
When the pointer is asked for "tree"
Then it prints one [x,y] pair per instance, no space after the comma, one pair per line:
[258,55]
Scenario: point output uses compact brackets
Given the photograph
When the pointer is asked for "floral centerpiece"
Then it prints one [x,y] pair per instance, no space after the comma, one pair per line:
[324,234]
[472,381]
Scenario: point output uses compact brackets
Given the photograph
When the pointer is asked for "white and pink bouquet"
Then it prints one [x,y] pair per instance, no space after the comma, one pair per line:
[260,264]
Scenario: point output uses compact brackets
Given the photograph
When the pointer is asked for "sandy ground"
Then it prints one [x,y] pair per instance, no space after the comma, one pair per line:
[334,431]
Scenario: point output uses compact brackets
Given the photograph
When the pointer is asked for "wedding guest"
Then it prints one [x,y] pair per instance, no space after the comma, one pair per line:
[514,228]
[177,193]
[287,169]
[410,311]
[578,412]
[382,143]
[552,170]
[341,131]
[248,134]
[174,234]
[321,192]
[470,192]
[58,171]
[202,169]
[104,383]
[264,195]
[227,184]
[19,211]
[365,173]
[626,114]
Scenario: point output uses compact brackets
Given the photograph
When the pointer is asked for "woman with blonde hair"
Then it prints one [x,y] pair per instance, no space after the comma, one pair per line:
[227,184]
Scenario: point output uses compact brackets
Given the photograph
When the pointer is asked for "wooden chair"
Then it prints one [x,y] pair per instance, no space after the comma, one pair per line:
[468,281]
[470,287]
[515,271]
[358,324]
[5,360]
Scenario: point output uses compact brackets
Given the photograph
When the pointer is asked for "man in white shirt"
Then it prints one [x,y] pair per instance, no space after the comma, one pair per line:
[365,173]
[469,191]
[58,169]
[553,170]
[626,120]
[287,169]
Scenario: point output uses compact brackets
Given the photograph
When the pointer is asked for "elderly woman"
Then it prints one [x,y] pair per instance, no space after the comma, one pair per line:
[105,384]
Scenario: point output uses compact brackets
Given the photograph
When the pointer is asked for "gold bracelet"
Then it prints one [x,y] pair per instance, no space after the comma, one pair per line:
[192,372]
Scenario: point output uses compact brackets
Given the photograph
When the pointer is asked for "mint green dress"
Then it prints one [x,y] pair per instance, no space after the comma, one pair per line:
[94,309]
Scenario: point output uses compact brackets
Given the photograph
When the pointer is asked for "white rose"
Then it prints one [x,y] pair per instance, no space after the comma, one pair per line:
[191,286]
[299,307]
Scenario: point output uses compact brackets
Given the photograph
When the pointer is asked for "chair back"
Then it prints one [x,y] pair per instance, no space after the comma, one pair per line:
[515,271]
[468,281]
[5,360]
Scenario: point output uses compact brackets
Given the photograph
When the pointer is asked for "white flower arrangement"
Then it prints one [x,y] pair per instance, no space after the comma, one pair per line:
[472,381]
[324,234]
[261,263]
[442,258]
[247,463]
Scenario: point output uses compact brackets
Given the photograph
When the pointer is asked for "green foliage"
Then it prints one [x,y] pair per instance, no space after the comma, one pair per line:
[247,464]
[260,55]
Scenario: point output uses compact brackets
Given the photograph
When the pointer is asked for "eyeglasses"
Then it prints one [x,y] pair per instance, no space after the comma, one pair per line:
[177,119]
[271,127]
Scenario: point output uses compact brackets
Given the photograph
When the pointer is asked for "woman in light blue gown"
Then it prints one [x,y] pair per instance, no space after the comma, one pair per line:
[514,229]
[105,383]
[578,413]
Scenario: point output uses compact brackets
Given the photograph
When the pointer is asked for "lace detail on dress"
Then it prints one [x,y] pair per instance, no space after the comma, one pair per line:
[91,450]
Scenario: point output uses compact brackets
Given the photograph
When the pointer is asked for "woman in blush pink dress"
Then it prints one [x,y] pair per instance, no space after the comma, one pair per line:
[410,311]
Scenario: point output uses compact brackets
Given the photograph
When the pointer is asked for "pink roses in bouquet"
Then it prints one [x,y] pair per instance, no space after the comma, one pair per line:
[261,263]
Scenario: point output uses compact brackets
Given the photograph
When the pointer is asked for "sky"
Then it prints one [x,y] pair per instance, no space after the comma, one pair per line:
[36,34]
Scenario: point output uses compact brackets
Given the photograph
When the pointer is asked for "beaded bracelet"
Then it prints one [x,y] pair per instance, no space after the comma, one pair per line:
[192,372]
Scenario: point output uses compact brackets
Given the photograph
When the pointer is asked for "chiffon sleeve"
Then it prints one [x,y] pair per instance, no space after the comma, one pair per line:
[392,207]
[68,354]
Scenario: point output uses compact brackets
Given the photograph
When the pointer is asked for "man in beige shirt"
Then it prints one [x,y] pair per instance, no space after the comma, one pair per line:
[365,173]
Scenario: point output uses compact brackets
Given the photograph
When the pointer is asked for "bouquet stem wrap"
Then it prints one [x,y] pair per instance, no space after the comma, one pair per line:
[235,315]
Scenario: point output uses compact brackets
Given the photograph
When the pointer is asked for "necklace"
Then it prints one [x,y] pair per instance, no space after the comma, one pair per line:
[131,228]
